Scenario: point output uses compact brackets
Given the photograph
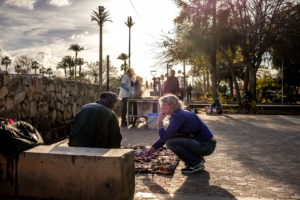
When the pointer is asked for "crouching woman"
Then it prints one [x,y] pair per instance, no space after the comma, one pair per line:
[187,135]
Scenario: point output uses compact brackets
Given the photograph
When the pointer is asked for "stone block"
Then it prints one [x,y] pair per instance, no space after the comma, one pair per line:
[46,110]
[38,84]
[36,96]
[67,95]
[2,106]
[25,82]
[68,88]
[58,88]
[9,103]
[3,92]
[5,78]
[58,97]
[51,87]
[58,106]
[24,111]
[45,80]
[32,85]
[71,100]
[46,98]
[62,107]
[59,116]
[32,109]
[63,92]
[48,89]
[67,113]
[53,116]
[52,105]
[29,93]
[19,97]
[74,109]
[15,86]
[92,173]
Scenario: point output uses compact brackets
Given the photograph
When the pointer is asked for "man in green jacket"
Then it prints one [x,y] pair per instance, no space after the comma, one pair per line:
[96,125]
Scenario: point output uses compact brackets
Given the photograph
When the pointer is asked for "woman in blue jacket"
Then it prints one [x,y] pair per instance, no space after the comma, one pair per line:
[196,139]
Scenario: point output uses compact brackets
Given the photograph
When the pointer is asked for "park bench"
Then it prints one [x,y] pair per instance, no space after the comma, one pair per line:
[60,172]
[278,108]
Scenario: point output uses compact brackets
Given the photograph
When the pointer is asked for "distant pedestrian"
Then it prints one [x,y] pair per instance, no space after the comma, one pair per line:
[181,93]
[172,85]
[189,90]
[147,85]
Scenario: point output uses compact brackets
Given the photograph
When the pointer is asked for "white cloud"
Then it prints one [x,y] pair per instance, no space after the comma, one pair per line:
[27,4]
[79,36]
[60,3]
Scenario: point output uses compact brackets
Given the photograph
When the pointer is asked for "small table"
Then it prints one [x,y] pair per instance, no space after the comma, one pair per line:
[144,107]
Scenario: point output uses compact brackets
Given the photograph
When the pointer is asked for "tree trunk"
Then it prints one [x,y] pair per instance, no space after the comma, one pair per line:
[65,72]
[6,67]
[231,87]
[207,79]
[34,70]
[129,46]
[79,69]
[75,66]
[214,54]
[252,83]
[204,82]
[100,57]
[233,75]
[246,77]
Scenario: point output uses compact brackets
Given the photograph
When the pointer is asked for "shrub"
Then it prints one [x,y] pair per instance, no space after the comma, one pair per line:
[233,98]
[208,95]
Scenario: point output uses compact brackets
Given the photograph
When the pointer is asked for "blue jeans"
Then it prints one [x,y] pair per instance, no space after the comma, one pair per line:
[190,150]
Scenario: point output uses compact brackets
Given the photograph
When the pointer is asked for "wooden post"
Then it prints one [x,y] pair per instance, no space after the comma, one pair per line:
[107,74]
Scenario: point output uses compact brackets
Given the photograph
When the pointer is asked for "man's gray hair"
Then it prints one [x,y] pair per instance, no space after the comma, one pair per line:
[171,99]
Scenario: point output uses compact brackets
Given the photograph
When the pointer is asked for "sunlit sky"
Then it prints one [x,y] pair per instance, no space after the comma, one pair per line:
[44,30]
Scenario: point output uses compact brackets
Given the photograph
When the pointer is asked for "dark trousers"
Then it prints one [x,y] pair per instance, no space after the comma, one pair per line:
[189,150]
[189,96]
[124,109]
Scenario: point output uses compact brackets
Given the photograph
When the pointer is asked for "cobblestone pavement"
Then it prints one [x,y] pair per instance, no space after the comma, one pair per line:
[257,157]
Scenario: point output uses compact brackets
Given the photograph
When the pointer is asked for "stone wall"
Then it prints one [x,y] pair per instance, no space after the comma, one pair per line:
[50,105]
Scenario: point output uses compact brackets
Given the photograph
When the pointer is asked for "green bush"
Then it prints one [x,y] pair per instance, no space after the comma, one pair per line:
[208,95]
[233,98]
[225,96]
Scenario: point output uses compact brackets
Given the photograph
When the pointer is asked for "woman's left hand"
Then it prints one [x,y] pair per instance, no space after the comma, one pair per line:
[161,116]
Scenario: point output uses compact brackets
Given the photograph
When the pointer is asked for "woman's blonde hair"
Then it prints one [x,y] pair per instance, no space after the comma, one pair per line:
[171,99]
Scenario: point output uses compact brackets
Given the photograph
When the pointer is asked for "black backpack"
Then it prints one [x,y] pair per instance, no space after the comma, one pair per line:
[17,137]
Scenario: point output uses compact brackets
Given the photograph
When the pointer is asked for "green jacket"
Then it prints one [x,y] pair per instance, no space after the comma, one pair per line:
[96,126]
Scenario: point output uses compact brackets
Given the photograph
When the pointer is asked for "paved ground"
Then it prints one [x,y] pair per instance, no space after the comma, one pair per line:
[257,157]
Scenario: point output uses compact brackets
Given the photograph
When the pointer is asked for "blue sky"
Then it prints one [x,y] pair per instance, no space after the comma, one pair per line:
[44,29]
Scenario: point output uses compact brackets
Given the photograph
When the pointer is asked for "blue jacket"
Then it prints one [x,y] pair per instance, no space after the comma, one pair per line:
[184,122]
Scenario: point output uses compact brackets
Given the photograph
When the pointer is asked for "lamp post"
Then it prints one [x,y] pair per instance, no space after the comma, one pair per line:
[282,85]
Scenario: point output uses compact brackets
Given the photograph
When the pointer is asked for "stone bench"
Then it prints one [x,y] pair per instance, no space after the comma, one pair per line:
[59,172]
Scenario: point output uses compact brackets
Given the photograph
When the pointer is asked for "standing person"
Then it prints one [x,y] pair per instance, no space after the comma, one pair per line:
[124,93]
[196,139]
[96,125]
[189,90]
[172,85]
[181,93]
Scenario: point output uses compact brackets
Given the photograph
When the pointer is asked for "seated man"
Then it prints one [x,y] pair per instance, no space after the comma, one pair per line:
[96,125]
[216,105]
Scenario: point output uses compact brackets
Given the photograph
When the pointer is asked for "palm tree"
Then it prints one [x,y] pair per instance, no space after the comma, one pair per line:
[100,16]
[80,62]
[76,48]
[129,23]
[6,61]
[62,65]
[18,69]
[123,57]
[49,71]
[69,60]
[35,65]
[42,70]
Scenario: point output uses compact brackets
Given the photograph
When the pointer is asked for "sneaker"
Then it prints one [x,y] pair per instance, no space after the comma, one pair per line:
[186,167]
[198,167]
